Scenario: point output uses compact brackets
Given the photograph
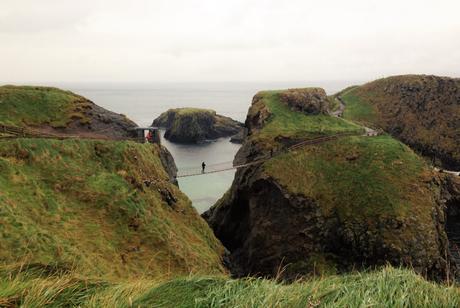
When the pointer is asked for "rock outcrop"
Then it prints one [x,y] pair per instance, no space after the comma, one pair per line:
[309,101]
[356,202]
[422,111]
[167,160]
[192,125]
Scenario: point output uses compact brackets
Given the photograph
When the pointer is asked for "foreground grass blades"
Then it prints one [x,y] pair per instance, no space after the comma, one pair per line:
[388,287]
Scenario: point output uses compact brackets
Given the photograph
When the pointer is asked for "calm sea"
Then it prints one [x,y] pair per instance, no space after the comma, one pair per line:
[144,102]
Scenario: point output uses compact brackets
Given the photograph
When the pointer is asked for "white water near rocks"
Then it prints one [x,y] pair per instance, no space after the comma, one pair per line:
[144,102]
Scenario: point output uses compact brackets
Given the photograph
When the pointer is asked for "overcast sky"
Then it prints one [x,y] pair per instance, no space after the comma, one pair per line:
[233,40]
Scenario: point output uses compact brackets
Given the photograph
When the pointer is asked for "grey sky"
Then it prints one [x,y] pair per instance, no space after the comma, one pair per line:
[238,40]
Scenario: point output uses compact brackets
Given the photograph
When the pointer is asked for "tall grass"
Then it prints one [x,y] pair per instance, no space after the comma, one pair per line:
[388,287]
[85,203]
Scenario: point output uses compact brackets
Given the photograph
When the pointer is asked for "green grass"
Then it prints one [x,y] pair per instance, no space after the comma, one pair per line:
[357,109]
[366,176]
[26,105]
[333,103]
[189,110]
[83,204]
[387,287]
[285,122]
[366,183]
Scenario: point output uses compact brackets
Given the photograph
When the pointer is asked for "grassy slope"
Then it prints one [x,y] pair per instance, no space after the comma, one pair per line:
[83,204]
[358,110]
[365,180]
[380,172]
[380,177]
[385,288]
[28,105]
[287,123]
[425,110]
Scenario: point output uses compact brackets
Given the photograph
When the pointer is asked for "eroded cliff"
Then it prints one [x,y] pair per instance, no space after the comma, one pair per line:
[351,202]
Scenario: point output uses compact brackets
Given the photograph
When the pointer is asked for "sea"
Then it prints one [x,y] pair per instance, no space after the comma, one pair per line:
[143,102]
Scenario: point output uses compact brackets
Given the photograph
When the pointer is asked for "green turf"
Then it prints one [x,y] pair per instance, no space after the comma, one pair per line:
[28,105]
[358,109]
[284,122]
[366,176]
[84,204]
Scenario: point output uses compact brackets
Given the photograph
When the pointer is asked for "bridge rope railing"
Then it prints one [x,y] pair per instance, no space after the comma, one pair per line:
[214,168]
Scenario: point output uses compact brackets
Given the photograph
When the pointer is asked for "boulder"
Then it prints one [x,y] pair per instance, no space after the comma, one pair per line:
[310,100]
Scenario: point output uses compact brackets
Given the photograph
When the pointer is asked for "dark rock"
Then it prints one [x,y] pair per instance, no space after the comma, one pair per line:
[272,230]
[310,100]
[169,164]
[239,138]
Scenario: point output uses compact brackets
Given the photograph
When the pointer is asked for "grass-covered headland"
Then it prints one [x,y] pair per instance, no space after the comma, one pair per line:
[104,208]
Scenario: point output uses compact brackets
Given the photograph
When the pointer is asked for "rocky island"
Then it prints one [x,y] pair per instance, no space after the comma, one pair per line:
[194,125]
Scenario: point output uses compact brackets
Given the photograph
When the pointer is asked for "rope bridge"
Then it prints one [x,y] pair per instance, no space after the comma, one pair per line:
[226,166]
[214,168]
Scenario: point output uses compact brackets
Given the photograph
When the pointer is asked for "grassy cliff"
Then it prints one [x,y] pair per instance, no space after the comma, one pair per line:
[104,208]
[356,201]
[51,110]
[29,105]
[422,111]
[297,125]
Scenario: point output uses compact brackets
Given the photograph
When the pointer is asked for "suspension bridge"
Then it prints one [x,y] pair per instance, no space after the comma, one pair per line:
[13,132]
[226,166]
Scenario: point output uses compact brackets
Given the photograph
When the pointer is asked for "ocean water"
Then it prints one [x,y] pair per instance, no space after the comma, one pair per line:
[144,102]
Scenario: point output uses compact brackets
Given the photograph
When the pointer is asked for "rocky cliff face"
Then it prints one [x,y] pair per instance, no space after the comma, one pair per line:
[190,125]
[422,111]
[167,160]
[350,203]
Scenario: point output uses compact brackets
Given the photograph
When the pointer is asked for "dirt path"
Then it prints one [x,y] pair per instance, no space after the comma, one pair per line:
[339,112]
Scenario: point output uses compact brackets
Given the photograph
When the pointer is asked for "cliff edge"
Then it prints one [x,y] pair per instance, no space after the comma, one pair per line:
[352,202]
